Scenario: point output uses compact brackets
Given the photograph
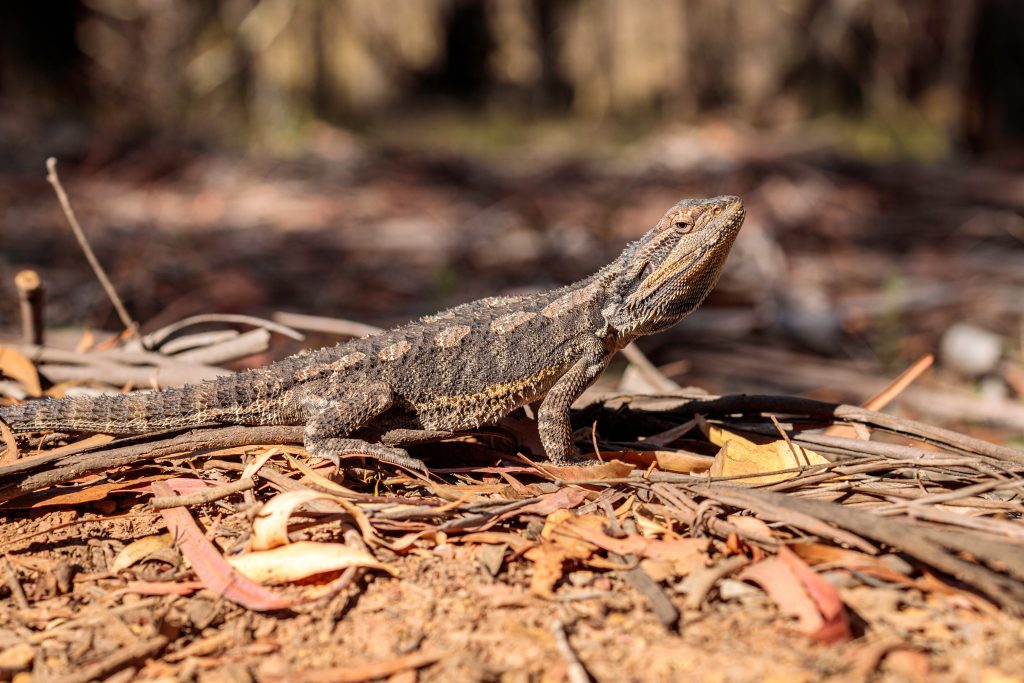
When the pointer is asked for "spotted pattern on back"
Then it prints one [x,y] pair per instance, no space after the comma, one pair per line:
[394,351]
[450,337]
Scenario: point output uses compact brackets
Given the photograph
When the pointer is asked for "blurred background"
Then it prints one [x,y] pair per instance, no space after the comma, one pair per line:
[377,160]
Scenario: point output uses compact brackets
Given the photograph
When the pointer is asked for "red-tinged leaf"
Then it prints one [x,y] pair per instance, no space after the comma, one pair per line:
[212,569]
[77,495]
[562,499]
[185,485]
[836,624]
[853,560]
[782,585]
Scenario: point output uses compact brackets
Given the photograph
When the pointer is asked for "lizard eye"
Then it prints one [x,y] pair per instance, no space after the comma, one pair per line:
[683,226]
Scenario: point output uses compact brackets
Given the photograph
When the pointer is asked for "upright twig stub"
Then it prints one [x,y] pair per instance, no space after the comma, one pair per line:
[101,275]
[31,299]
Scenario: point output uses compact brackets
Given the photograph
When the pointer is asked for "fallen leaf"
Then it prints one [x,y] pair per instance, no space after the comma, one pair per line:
[842,558]
[139,550]
[741,456]
[466,493]
[78,494]
[782,586]
[216,574]
[270,527]
[18,367]
[550,556]
[9,443]
[615,469]
[836,626]
[302,559]
[518,542]
[562,499]
[799,591]
[667,461]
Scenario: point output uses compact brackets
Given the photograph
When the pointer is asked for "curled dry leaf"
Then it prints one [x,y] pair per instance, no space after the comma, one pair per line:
[740,456]
[270,528]
[140,550]
[10,444]
[18,367]
[303,559]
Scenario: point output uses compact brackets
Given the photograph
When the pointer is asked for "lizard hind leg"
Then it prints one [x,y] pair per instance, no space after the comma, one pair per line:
[335,417]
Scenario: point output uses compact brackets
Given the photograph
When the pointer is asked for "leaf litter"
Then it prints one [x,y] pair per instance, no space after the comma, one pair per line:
[720,534]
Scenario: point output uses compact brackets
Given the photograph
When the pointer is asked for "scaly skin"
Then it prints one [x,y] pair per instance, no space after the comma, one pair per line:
[456,370]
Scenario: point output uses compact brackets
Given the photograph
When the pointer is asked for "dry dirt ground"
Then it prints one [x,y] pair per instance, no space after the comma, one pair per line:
[499,571]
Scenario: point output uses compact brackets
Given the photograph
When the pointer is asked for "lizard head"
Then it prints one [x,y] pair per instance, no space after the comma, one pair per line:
[662,277]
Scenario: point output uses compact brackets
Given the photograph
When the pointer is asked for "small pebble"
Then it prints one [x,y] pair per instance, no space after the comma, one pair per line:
[970,350]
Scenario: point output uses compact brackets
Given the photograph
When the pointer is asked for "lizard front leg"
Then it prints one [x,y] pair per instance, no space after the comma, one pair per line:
[553,415]
[335,417]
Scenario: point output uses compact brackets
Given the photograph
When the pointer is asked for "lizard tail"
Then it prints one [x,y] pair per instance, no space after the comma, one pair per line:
[226,401]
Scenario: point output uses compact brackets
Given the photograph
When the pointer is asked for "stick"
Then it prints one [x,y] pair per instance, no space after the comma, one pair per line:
[32,298]
[207,495]
[247,344]
[157,338]
[101,275]
[316,323]
[27,475]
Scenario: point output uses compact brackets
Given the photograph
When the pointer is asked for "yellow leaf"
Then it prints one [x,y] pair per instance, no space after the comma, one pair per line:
[301,559]
[140,550]
[741,456]
[17,366]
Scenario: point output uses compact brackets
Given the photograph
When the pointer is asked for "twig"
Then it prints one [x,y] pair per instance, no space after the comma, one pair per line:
[943,549]
[660,603]
[31,474]
[83,242]
[32,299]
[207,495]
[316,323]
[156,339]
[12,582]
[116,367]
[883,398]
[575,672]
[118,660]
[252,342]
[647,369]
[704,580]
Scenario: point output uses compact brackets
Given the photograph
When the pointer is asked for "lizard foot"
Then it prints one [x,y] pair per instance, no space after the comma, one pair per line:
[332,448]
